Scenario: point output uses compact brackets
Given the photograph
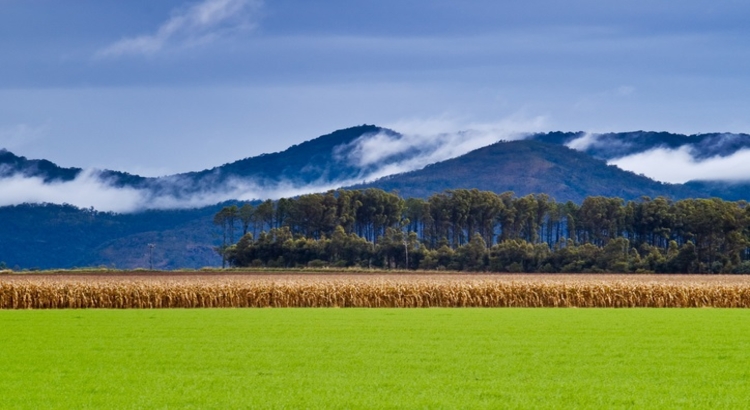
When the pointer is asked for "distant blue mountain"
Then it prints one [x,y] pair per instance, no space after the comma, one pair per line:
[329,160]
[321,160]
[620,144]
[541,164]
[610,146]
[531,167]
[11,164]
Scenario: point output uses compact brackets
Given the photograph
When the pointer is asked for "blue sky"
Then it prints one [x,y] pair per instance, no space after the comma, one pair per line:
[158,87]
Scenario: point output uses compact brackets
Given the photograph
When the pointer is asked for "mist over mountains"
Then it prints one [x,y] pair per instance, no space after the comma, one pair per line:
[665,156]
[717,163]
[530,167]
[611,146]
[342,158]
[110,217]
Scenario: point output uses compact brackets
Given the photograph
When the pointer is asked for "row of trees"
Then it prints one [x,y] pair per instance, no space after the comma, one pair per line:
[375,228]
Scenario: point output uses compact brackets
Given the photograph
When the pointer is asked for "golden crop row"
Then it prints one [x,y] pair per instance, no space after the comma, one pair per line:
[364,293]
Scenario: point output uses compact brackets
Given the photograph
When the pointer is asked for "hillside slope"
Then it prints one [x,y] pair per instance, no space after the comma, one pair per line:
[527,167]
[321,159]
[62,236]
[14,165]
[47,236]
[614,145]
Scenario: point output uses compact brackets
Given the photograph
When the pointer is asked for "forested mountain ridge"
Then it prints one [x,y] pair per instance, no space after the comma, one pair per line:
[323,160]
[14,165]
[48,236]
[316,160]
[615,145]
[11,164]
[530,167]
[332,160]
[612,146]
[543,163]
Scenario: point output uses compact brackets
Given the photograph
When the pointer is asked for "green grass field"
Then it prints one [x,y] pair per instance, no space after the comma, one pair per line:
[375,358]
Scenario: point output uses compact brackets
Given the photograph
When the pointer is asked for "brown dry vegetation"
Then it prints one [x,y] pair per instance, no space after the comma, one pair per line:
[186,290]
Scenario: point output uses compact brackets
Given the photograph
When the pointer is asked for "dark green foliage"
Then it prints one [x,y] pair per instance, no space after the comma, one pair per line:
[476,230]
[62,236]
[278,248]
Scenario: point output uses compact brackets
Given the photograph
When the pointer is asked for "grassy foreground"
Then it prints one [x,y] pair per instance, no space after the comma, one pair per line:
[375,358]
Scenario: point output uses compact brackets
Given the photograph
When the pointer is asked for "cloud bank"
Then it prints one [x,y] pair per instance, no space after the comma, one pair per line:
[371,156]
[719,157]
[85,191]
[199,23]
[609,148]
[89,189]
[420,143]
[584,142]
[680,165]
[366,158]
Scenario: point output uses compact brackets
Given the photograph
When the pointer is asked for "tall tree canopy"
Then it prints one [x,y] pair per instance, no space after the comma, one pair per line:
[480,230]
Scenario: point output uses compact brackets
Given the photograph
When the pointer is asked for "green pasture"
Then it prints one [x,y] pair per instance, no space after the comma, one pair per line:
[375,358]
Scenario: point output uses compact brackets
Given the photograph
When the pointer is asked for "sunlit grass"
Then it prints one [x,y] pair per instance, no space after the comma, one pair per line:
[375,358]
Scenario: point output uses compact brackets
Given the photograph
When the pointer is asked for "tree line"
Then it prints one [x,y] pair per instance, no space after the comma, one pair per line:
[476,230]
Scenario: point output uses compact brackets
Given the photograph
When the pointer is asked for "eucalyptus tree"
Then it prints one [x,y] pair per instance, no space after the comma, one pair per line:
[226,218]
[264,215]
[246,215]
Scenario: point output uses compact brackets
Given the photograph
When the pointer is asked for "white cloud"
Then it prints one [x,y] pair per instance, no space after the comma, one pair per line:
[679,165]
[90,190]
[199,23]
[607,147]
[379,155]
[583,142]
[85,191]
[233,189]
[423,142]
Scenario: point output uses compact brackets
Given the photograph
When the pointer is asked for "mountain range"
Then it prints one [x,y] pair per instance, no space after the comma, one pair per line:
[566,166]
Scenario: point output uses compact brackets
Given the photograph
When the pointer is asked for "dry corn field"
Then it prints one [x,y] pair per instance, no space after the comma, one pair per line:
[124,291]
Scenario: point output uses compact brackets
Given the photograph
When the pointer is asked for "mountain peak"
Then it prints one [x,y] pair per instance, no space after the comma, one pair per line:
[528,167]
[566,165]
[311,161]
[12,164]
